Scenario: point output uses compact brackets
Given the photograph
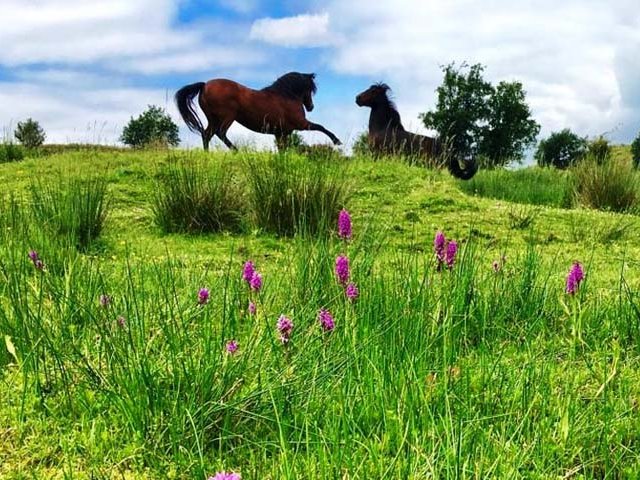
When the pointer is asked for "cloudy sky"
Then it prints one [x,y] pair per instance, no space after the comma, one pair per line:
[84,67]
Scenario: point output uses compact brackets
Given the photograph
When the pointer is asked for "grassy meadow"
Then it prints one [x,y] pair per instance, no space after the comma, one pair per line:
[115,364]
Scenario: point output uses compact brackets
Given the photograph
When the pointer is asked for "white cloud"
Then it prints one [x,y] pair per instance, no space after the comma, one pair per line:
[299,31]
[574,57]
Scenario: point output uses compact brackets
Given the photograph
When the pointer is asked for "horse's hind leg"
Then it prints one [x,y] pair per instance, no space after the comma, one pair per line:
[222,133]
[207,135]
[320,128]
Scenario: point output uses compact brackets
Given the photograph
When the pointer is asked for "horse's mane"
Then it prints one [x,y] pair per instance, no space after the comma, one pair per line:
[394,115]
[293,85]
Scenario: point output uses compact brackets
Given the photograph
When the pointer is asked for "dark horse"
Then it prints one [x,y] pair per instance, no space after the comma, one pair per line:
[388,136]
[277,109]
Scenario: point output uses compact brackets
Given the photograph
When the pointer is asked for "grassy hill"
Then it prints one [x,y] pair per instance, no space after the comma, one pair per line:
[432,373]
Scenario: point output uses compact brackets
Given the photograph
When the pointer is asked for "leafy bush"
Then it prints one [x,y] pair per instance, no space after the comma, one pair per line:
[361,145]
[289,194]
[599,149]
[152,127]
[198,197]
[73,208]
[635,151]
[29,133]
[476,118]
[611,185]
[10,153]
[561,150]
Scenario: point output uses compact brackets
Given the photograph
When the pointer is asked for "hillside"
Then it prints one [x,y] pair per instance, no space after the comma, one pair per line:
[467,373]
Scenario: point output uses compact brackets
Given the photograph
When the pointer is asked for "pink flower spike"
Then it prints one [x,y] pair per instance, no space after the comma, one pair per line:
[248,271]
[352,292]
[344,224]
[232,347]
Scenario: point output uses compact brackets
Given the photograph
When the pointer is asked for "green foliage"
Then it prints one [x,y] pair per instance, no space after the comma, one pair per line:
[610,185]
[361,145]
[561,150]
[198,197]
[476,118]
[536,186]
[290,194]
[152,127]
[10,153]
[29,133]
[635,151]
[599,149]
[74,209]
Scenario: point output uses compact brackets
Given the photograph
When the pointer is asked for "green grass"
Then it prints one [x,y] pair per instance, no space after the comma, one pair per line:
[466,373]
[533,185]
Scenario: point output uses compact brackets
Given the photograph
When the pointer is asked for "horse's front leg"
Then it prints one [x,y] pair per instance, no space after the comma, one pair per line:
[320,128]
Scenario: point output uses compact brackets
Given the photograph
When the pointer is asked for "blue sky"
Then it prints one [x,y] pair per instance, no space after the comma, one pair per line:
[84,67]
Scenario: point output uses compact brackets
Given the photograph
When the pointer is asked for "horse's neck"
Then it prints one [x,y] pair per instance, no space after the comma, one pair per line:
[384,118]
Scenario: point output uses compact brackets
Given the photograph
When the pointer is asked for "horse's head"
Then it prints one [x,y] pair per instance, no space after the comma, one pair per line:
[311,88]
[372,95]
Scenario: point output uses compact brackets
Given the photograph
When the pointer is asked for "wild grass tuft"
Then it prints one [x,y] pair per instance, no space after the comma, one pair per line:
[74,209]
[290,194]
[610,184]
[533,185]
[198,196]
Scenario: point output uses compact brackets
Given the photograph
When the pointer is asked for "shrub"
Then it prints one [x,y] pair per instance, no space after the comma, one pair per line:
[198,197]
[152,127]
[290,195]
[611,185]
[10,153]
[73,208]
[599,149]
[29,133]
[635,151]
[361,145]
[561,150]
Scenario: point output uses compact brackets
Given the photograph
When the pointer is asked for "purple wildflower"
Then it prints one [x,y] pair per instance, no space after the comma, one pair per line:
[326,320]
[344,224]
[452,249]
[225,476]
[438,246]
[352,292]
[121,321]
[342,269]
[252,308]
[232,347]
[248,271]
[105,300]
[256,282]
[203,296]
[574,278]
[35,258]
[285,327]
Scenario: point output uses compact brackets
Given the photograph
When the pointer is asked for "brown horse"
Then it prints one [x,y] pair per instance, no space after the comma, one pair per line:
[277,109]
[388,136]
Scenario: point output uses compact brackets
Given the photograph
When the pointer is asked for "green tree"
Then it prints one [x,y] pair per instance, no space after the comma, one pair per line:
[561,150]
[154,125]
[635,151]
[29,133]
[476,118]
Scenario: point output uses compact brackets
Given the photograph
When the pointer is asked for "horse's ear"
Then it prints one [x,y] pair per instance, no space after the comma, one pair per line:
[312,76]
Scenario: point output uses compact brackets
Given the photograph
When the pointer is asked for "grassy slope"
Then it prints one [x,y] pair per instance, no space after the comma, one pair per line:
[410,204]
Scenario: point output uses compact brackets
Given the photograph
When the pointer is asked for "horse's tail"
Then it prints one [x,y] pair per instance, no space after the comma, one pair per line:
[184,100]
[453,161]
[469,170]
